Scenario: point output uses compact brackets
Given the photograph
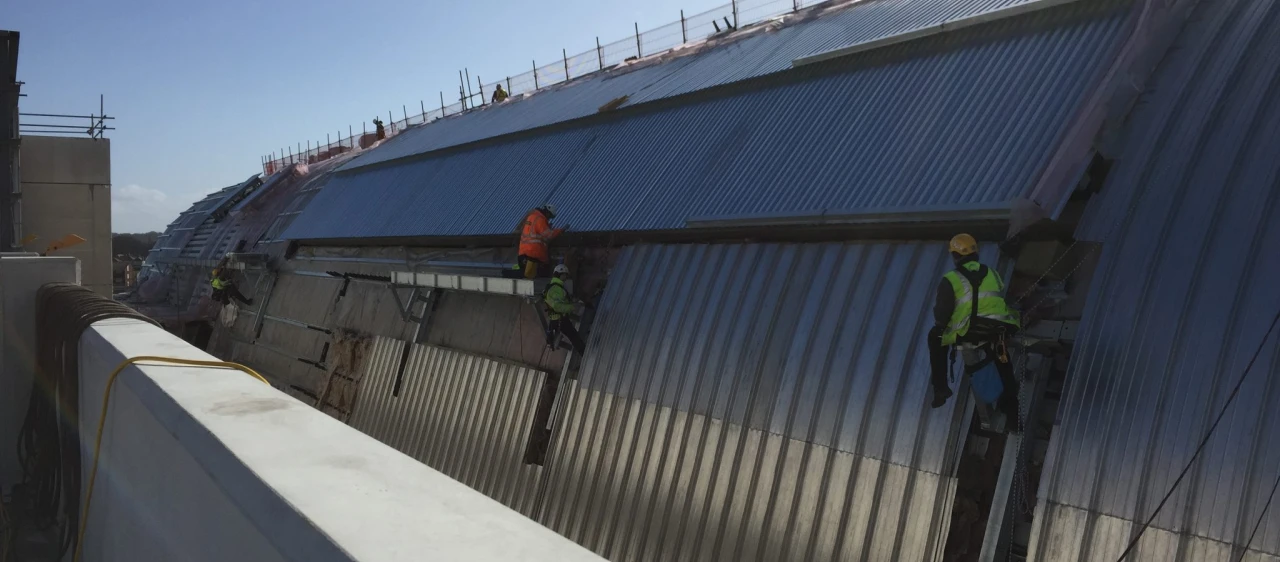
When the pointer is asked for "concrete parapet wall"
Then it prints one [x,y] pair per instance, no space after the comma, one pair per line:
[20,278]
[210,464]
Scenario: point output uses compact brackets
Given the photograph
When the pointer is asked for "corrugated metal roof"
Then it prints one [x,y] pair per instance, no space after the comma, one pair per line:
[465,415]
[759,402]
[181,232]
[1186,287]
[758,52]
[967,117]
[253,217]
[216,225]
[317,177]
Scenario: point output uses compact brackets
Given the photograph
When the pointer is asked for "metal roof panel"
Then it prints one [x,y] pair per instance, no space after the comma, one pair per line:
[986,108]
[1189,219]
[753,53]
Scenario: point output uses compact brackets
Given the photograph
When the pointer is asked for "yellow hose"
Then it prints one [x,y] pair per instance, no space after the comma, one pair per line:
[102,420]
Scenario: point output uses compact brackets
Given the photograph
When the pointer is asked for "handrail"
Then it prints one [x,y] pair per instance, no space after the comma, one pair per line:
[657,41]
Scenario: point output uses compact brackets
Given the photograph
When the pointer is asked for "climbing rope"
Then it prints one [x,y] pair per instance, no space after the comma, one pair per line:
[1025,427]
[102,421]
[1111,230]
[1261,515]
[1019,495]
[1205,441]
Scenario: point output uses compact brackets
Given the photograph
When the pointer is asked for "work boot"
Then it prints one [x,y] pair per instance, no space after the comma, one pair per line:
[940,395]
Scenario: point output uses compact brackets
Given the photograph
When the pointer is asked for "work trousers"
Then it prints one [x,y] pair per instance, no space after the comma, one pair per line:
[530,266]
[939,367]
[565,326]
[228,292]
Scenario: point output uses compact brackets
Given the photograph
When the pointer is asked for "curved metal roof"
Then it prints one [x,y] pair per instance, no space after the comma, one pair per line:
[770,47]
[1186,288]
[969,117]
[760,402]
[181,233]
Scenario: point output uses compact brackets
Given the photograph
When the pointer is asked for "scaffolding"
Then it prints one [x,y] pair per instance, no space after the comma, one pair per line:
[94,124]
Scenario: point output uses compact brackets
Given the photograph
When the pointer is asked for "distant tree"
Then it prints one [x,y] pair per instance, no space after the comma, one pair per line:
[134,244]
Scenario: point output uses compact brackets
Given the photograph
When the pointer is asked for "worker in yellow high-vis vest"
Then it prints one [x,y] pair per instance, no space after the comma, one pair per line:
[560,308]
[224,289]
[970,308]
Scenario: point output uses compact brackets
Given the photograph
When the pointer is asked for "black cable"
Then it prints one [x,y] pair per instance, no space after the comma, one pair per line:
[1205,441]
[1261,516]
[49,442]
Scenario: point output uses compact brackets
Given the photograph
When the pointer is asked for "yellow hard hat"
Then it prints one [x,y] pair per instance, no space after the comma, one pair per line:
[964,245]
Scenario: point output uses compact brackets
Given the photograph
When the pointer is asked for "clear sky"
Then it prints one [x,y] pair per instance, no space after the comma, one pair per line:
[201,90]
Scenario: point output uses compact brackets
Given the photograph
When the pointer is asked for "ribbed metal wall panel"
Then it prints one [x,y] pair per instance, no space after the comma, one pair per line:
[759,402]
[465,415]
[1186,288]
[968,117]
[758,54]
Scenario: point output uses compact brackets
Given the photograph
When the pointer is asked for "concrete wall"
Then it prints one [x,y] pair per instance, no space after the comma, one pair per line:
[20,277]
[66,189]
[209,464]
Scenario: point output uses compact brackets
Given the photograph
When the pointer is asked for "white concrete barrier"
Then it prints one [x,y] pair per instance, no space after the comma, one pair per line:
[20,277]
[210,464]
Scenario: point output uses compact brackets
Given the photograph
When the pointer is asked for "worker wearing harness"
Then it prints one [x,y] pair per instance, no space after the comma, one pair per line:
[970,308]
[535,234]
[224,289]
[560,308]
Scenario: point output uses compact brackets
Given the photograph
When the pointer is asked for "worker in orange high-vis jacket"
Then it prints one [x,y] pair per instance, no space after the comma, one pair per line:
[535,234]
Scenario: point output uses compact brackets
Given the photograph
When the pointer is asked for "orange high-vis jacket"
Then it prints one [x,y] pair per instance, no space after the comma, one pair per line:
[535,235]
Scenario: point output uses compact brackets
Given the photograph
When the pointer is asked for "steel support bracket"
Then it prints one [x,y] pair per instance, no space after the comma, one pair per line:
[406,306]
[1053,330]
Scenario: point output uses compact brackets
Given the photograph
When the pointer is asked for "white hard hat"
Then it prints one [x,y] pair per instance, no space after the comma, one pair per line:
[551,209]
[562,268]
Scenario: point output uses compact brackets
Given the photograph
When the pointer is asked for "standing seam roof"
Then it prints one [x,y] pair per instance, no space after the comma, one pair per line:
[1190,220]
[755,53]
[963,118]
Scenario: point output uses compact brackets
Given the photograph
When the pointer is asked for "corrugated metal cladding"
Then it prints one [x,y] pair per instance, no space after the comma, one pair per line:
[1186,288]
[252,217]
[967,117]
[464,415]
[317,177]
[182,232]
[759,53]
[759,402]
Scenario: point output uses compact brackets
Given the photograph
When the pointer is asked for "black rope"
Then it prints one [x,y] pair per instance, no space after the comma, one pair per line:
[1258,523]
[49,440]
[1205,441]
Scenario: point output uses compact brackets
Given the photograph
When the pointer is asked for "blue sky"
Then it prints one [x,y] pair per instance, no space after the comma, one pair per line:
[201,90]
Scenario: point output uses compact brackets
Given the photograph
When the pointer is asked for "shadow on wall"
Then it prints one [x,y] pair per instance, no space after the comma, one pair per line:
[500,327]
